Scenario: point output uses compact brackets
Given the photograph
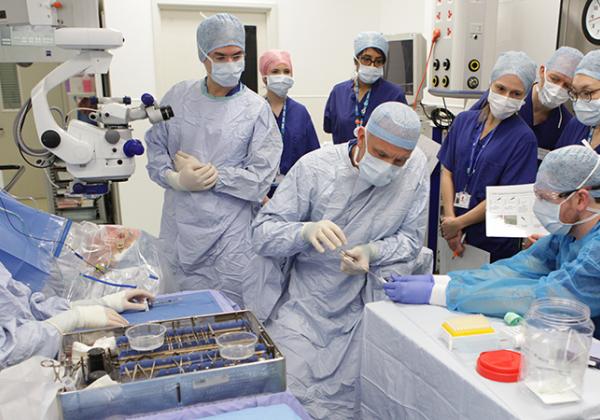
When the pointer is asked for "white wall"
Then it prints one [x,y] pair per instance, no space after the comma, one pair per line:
[132,73]
[319,34]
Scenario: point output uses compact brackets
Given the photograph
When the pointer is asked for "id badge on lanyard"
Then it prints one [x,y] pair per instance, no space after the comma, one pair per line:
[462,199]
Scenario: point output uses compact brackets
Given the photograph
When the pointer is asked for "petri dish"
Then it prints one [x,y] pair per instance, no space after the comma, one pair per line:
[236,345]
[146,337]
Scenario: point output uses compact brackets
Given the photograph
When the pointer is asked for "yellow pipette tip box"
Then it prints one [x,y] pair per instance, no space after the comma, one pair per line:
[471,333]
[461,326]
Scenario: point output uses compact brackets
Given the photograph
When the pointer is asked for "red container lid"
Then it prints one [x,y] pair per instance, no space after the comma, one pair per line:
[499,365]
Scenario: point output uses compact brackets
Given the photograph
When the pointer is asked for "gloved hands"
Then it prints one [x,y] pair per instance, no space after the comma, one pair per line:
[191,175]
[182,159]
[323,233]
[356,261]
[414,289]
[128,300]
[94,316]
[198,177]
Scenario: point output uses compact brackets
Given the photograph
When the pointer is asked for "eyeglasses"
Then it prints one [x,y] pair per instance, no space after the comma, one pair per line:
[222,58]
[585,95]
[367,60]
[551,195]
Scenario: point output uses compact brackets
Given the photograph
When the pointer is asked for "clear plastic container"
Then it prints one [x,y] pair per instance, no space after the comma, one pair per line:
[236,345]
[146,337]
[557,335]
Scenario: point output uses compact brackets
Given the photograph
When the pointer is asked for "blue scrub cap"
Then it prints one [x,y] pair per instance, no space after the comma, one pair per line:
[396,123]
[370,39]
[564,170]
[218,31]
[565,61]
[517,63]
[590,65]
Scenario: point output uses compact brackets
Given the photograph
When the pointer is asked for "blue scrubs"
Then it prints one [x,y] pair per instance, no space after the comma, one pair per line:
[299,135]
[548,132]
[340,111]
[509,158]
[574,132]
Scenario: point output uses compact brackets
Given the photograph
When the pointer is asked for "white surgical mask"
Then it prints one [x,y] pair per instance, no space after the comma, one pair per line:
[503,107]
[375,171]
[279,85]
[552,95]
[227,74]
[548,213]
[588,113]
[369,74]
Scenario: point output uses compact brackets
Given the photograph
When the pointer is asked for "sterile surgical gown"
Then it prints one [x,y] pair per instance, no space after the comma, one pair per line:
[22,334]
[209,231]
[340,110]
[317,323]
[555,266]
[547,132]
[574,132]
[509,158]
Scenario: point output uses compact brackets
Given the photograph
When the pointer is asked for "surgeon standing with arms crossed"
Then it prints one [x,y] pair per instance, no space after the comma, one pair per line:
[215,159]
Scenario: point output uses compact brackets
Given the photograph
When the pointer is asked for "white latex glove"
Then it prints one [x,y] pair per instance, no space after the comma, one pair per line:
[182,159]
[94,316]
[356,260]
[323,233]
[126,300]
[193,178]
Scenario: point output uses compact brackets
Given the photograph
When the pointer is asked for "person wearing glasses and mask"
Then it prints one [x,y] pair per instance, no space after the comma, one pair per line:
[491,146]
[585,95]
[294,122]
[351,102]
[562,264]
[216,158]
[543,109]
[368,197]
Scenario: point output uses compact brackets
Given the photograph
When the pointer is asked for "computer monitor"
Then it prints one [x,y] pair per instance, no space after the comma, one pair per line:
[406,62]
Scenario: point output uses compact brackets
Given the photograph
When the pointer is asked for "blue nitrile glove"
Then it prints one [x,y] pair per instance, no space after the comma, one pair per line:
[415,292]
[426,278]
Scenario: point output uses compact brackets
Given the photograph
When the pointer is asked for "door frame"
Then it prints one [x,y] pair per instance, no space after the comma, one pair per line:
[269,9]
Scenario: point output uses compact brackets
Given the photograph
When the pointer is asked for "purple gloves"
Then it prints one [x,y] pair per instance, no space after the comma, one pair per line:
[410,289]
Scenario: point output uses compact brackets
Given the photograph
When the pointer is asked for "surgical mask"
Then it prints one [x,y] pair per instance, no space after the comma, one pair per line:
[549,216]
[369,74]
[375,171]
[227,74]
[588,113]
[279,85]
[548,213]
[503,107]
[552,95]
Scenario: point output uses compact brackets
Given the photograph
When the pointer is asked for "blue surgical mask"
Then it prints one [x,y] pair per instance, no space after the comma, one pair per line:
[369,74]
[376,171]
[227,74]
[588,113]
[549,216]
[279,85]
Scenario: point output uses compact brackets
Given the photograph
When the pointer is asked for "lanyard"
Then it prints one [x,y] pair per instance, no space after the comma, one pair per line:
[283,116]
[474,159]
[359,116]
